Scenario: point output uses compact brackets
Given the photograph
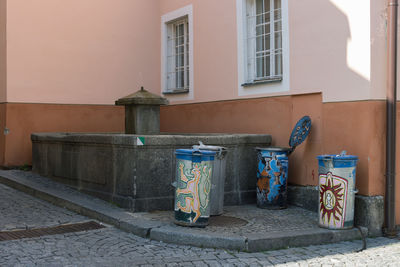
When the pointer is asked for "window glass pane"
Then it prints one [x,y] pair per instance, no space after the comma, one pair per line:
[260,41]
[187,77]
[177,79]
[259,11]
[278,40]
[177,61]
[267,73]
[178,55]
[277,14]
[260,66]
[267,11]
[278,26]
[267,41]
[181,29]
[267,6]
[182,59]
[267,28]
[278,64]
[277,4]
[264,40]
[260,30]
[263,66]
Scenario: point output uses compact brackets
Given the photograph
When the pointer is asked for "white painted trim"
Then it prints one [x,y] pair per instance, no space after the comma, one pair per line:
[165,19]
[276,87]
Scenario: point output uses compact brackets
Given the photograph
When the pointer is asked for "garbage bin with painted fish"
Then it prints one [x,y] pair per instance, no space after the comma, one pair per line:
[272,168]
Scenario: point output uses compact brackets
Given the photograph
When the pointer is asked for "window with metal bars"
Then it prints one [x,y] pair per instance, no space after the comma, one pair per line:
[178,56]
[264,40]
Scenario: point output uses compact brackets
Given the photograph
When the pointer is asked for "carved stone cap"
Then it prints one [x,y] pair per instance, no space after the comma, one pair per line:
[142,97]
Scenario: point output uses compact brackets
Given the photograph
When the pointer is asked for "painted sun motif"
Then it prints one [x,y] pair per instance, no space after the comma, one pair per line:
[330,198]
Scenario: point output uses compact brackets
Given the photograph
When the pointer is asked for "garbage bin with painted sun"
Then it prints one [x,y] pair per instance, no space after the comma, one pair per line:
[337,178]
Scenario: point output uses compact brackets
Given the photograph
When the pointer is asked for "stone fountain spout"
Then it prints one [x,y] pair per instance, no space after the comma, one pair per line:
[142,112]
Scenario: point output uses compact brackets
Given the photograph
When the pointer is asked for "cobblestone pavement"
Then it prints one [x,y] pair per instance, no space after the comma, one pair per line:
[112,247]
[21,211]
[255,220]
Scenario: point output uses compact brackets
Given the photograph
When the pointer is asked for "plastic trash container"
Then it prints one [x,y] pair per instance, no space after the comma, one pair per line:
[337,179]
[193,185]
[218,177]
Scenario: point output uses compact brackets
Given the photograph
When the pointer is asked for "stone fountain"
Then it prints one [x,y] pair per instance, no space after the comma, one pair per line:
[135,169]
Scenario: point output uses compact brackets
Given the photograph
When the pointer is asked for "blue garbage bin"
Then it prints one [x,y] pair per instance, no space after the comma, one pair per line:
[273,166]
[193,185]
[272,177]
[337,179]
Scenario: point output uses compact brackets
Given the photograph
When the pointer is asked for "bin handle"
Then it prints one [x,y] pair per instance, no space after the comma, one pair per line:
[203,146]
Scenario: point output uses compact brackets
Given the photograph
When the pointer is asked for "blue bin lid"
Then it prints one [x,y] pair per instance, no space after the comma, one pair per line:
[195,151]
[195,155]
[273,149]
[300,132]
[337,157]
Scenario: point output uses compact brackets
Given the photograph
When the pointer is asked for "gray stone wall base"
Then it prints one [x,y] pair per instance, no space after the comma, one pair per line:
[242,198]
[161,203]
[368,211]
[138,175]
[304,196]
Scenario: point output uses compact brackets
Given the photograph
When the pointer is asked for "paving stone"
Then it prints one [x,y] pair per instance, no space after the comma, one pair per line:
[22,211]
[285,256]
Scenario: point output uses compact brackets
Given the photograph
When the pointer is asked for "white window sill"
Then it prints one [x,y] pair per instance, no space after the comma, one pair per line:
[256,82]
[176,91]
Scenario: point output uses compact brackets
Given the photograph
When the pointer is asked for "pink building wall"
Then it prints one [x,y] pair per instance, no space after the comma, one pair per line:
[319,50]
[3,52]
[81,52]
[108,54]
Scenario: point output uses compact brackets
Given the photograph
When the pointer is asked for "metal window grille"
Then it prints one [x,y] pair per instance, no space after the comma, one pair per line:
[178,56]
[264,40]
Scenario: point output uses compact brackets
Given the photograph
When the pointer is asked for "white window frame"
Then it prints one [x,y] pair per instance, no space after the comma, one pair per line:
[166,21]
[273,85]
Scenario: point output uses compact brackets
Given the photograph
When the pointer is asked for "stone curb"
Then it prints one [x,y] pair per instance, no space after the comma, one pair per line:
[165,232]
[193,237]
[302,238]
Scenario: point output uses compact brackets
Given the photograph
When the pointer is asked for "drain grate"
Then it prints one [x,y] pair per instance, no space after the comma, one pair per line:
[55,230]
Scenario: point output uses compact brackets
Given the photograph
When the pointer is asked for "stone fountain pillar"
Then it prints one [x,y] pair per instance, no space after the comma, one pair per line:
[142,112]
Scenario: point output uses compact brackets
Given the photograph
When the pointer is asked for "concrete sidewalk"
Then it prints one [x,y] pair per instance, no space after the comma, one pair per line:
[244,228]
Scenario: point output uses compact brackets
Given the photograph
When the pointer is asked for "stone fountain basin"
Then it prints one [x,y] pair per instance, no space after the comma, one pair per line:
[120,169]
